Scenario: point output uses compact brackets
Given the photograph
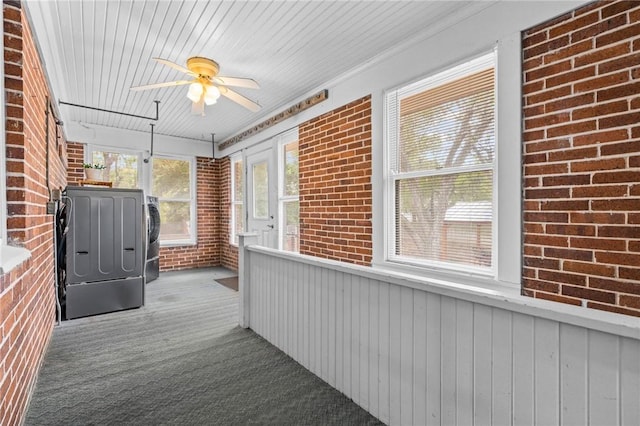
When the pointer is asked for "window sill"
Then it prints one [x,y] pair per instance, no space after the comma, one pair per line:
[12,257]
[466,279]
[178,244]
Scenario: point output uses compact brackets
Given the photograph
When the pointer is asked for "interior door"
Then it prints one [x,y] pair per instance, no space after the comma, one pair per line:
[262,206]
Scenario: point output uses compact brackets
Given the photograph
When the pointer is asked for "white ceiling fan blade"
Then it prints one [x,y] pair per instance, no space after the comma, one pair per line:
[174,66]
[237,82]
[197,108]
[238,98]
[165,84]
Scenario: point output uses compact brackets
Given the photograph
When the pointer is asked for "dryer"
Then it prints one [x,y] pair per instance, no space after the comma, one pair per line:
[152,266]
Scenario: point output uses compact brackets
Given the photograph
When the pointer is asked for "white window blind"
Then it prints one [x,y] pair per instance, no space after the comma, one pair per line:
[441,150]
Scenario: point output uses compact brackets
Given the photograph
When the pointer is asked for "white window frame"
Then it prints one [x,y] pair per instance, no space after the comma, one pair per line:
[392,100]
[193,197]
[233,202]
[507,179]
[285,139]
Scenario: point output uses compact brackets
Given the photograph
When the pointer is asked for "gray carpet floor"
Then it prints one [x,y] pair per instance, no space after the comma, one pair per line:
[179,360]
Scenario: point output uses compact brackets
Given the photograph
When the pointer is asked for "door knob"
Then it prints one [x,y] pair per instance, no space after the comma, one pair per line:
[270,226]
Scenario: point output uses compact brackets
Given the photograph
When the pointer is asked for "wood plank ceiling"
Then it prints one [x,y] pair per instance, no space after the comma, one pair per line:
[94,51]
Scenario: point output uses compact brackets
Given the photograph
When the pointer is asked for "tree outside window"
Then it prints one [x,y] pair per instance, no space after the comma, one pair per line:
[121,169]
[171,183]
[289,201]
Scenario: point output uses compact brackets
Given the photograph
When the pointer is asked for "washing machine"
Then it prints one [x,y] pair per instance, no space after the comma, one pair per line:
[152,266]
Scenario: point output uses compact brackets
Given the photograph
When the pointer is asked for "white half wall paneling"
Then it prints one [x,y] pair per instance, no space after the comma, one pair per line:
[411,352]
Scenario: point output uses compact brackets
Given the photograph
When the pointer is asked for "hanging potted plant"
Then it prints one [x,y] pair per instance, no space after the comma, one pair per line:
[93,171]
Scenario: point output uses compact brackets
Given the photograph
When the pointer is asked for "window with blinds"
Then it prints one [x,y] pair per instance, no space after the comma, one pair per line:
[441,146]
[236,213]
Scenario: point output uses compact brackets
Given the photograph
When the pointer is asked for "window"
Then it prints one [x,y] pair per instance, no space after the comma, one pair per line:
[260,187]
[237,222]
[289,205]
[122,169]
[173,184]
[440,169]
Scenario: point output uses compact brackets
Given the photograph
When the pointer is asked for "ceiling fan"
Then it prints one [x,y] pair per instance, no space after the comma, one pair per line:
[206,86]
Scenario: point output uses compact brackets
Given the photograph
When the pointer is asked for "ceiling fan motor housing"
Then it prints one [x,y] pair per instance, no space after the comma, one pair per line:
[203,66]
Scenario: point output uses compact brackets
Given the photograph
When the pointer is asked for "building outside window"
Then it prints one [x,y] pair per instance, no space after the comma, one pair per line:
[237,221]
[174,184]
[441,138]
[288,200]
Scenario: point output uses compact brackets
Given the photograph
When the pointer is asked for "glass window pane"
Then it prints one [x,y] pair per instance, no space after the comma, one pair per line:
[171,178]
[260,191]
[237,181]
[175,218]
[291,234]
[445,218]
[290,172]
[120,169]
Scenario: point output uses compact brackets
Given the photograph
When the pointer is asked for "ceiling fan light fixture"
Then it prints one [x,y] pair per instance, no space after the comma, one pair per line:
[211,95]
[195,91]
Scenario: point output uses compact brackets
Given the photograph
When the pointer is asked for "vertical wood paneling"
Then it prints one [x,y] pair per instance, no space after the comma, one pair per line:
[629,382]
[363,352]
[523,370]
[253,299]
[257,295]
[573,375]
[355,338]
[406,355]
[281,300]
[331,329]
[395,355]
[319,286]
[502,370]
[340,321]
[374,343]
[291,310]
[603,359]
[448,371]
[482,364]
[464,362]
[271,296]
[324,324]
[546,377]
[433,361]
[347,355]
[414,357]
[384,345]
[307,283]
[419,374]
[295,300]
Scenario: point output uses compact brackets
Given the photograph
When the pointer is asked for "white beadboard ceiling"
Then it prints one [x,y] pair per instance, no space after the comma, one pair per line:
[94,51]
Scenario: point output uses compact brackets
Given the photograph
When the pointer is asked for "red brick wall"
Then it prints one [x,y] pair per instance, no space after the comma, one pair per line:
[27,308]
[582,158]
[75,171]
[335,184]
[228,252]
[207,250]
